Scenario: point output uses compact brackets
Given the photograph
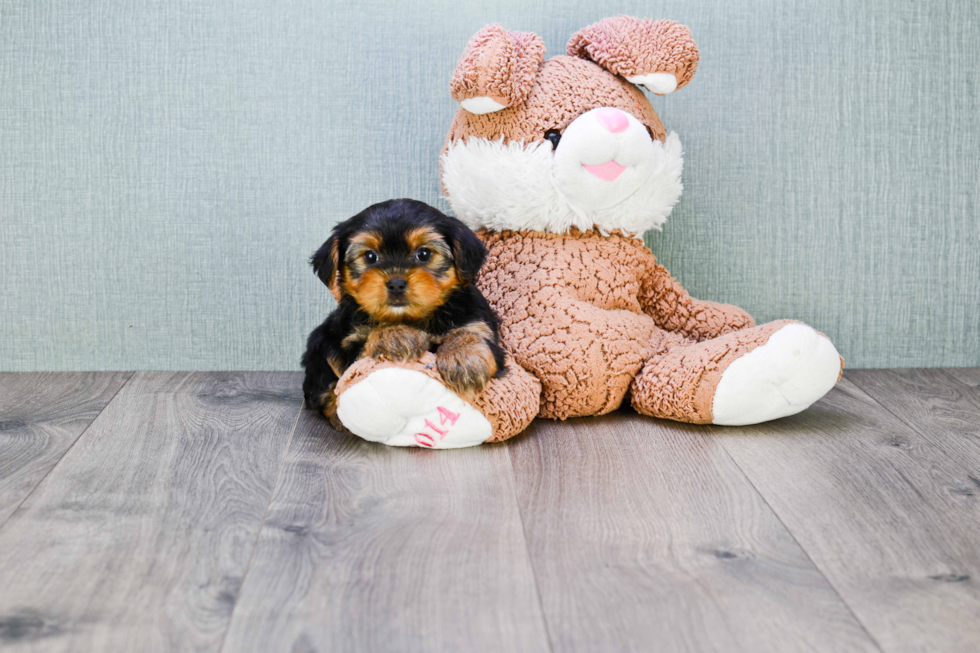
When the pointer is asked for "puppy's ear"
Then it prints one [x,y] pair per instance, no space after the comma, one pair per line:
[658,54]
[497,69]
[468,251]
[326,265]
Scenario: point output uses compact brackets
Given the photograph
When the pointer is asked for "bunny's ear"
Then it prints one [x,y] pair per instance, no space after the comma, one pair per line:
[661,55]
[497,69]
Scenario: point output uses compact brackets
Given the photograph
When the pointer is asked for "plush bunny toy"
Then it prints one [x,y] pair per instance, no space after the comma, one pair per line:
[561,166]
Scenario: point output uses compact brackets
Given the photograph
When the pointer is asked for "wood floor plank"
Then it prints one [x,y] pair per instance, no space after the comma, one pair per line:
[644,535]
[41,416]
[881,511]
[969,376]
[941,409]
[139,538]
[371,548]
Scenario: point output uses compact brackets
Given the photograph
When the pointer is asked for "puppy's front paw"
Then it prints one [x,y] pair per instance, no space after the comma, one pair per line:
[400,344]
[466,365]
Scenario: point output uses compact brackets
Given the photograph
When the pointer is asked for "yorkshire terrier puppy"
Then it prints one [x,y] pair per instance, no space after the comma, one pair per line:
[403,271]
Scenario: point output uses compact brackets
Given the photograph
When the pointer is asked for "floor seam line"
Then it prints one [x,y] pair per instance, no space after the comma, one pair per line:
[527,550]
[847,606]
[70,447]
[258,533]
[888,410]
[936,446]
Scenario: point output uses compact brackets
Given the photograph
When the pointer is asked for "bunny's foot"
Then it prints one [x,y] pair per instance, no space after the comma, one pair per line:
[408,405]
[745,377]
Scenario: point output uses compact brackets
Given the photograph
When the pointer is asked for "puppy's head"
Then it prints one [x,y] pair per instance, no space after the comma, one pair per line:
[399,260]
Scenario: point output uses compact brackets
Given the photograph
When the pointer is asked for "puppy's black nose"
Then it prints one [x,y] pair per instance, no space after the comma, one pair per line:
[396,285]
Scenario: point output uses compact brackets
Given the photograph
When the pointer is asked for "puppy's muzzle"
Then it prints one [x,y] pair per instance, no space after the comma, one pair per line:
[396,287]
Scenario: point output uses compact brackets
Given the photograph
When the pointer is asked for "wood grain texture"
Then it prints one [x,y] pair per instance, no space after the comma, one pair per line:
[968,376]
[369,548]
[41,416]
[882,512]
[941,409]
[139,539]
[644,535]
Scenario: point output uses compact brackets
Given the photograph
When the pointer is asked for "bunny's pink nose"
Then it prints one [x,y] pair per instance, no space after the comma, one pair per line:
[613,120]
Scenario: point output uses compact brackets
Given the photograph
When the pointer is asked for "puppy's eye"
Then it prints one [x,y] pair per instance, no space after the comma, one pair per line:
[370,258]
[553,136]
[423,254]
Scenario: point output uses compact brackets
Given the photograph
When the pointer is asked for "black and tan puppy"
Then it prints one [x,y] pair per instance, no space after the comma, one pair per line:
[403,271]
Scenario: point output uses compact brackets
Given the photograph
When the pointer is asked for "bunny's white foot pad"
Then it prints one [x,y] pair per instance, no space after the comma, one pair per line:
[795,367]
[406,408]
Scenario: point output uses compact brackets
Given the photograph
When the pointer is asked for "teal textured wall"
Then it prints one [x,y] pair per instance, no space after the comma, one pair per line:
[167,167]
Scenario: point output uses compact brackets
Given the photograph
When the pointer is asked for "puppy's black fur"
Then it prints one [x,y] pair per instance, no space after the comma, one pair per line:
[440,299]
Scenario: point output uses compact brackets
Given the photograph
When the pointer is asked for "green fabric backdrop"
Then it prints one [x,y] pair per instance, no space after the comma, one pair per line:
[167,167]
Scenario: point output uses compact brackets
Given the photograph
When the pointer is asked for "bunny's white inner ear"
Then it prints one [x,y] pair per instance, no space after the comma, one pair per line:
[481,105]
[659,83]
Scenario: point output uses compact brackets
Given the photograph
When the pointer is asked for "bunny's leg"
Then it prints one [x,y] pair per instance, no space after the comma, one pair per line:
[744,377]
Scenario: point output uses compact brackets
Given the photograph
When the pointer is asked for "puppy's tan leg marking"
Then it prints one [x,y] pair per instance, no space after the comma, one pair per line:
[336,365]
[397,343]
[465,360]
[328,401]
[358,335]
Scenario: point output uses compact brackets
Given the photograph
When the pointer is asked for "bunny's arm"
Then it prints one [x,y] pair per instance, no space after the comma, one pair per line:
[673,309]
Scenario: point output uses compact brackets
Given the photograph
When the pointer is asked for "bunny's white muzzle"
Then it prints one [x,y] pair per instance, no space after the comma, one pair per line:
[606,173]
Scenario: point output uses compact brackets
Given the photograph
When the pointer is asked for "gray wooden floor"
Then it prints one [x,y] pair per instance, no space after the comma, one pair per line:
[207,511]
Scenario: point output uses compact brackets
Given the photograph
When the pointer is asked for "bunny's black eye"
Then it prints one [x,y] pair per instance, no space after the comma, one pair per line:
[370,258]
[553,136]
[423,254]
